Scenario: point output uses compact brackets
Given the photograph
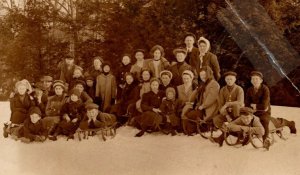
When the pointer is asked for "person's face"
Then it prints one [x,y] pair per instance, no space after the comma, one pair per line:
[202,47]
[74,98]
[170,95]
[47,84]
[203,76]
[34,118]
[154,86]
[92,113]
[186,79]
[106,68]
[89,83]
[58,90]
[21,89]
[256,81]
[79,87]
[97,64]
[180,57]
[189,41]
[139,56]
[246,119]
[69,61]
[129,79]
[146,75]
[230,80]
[38,92]
[157,54]
[165,79]
[125,60]
[77,73]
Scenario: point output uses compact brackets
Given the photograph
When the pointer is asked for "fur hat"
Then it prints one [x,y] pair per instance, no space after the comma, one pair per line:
[89,106]
[256,73]
[188,72]
[25,83]
[35,110]
[157,47]
[190,34]
[46,78]
[166,72]
[179,50]
[59,83]
[74,91]
[230,73]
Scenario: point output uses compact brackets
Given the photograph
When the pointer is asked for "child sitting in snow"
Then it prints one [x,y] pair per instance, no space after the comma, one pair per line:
[96,119]
[169,109]
[33,129]
[71,113]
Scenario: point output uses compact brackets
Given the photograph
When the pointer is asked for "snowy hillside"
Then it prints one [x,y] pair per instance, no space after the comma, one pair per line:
[152,154]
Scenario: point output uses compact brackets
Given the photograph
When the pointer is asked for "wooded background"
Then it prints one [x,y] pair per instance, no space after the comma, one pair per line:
[35,35]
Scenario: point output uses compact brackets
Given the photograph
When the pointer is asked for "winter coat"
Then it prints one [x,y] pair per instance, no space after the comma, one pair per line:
[66,74]
[170,110]
[42,105]
[92,72]
[261,98]
[73,109]
[163,65]
[55,104]
[102,120]
[236,95]
[151,100]
[85,98]
[136,70]
[190,55]
[210,99]
[122,70]
[255,126]
[177,70]
[31,130]
[91,91]
[183,95]
[106,89]
[19,109]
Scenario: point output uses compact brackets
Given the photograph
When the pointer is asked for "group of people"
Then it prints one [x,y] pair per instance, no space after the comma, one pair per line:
[149,94]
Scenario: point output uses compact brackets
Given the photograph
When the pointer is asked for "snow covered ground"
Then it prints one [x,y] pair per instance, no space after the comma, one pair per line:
[153,154]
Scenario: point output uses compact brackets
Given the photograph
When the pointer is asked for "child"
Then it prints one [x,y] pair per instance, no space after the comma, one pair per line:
[166,79]
[180,66]
[169,109]
[90,86]
[106,88]
[33,129]
[258,98]
[84,97]
[40,98]
[71,113]
[231,98]
[21,102]
[96,119]
[122,70]
[77,75]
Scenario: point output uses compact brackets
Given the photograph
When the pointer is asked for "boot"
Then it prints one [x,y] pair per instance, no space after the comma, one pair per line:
[5,130]
[267,144]
[219,139]
[292,127]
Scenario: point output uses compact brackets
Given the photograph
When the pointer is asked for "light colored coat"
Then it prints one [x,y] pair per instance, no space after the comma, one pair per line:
[210,99]
[106,88]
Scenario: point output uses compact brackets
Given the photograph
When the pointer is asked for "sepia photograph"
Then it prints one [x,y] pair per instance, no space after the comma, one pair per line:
[149,87]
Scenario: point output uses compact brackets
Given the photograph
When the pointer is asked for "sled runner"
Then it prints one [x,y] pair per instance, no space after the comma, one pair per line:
[105,131]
